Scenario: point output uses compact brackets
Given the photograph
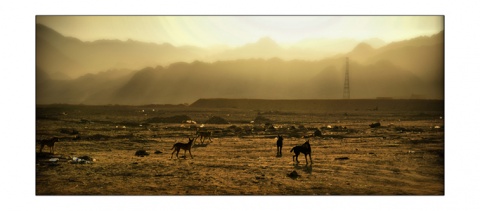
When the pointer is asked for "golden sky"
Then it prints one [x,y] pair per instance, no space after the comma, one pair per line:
[206,31]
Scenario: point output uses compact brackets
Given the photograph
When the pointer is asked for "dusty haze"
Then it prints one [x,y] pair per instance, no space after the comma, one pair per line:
[112,71]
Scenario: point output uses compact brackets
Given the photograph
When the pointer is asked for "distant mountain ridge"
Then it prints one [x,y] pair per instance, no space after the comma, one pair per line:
[255,78]
[399,70]
[72,57]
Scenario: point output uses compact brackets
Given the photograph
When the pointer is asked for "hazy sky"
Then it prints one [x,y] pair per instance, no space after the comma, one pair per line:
[237,30]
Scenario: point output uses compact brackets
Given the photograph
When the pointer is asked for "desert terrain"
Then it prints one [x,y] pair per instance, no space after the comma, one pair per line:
[96,154]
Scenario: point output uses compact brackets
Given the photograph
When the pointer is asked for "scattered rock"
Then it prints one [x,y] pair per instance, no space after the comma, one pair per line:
[317,133]
[141,153]
[165,175]
[374,125]
[217,120]
[172,119]
[69,131]
[87,158]
[260,177]
[261,119]
[342,158]
[293,174]
[158,152]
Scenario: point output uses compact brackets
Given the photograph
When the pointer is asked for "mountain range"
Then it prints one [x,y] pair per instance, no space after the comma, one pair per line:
[68,57]
[130,72]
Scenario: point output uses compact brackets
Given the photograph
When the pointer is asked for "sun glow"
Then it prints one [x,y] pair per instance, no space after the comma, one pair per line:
[206,31]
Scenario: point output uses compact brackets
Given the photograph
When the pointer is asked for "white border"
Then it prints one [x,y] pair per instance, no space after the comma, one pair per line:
[18,104]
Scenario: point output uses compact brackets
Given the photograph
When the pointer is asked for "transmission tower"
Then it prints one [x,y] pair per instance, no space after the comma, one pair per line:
[346,84]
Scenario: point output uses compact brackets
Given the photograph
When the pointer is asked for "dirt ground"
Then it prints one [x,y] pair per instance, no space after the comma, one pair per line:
[403,156]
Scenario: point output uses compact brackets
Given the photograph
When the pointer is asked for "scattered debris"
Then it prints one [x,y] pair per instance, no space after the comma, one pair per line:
[342,158]
[164,175]
[261,119]
[141,153]
[86,157]
[69,131]
[334,128]
[85,121]
[190,122]
[260,177]
[53,159]
[172,119]
[269,128]
[216,120]
[82,160]
[317,133]
[374,125]
[97,136]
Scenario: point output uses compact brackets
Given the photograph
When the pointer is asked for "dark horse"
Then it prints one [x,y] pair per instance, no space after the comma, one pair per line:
[279,144]
[305,149]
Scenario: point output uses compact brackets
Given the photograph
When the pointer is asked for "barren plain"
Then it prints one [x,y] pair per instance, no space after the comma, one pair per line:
[403,156]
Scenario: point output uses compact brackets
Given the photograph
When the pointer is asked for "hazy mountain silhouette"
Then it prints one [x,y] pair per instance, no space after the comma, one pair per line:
[67,57]
[88,89]
[253,78]
[57,53]
[361,52]
[335,46]
[398,70]
[264,48]
[422,56]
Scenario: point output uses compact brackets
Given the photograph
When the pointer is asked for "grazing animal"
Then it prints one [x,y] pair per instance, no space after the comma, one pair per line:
[178,146]
[203,135]
[305,149]
[50,144]
[279,144]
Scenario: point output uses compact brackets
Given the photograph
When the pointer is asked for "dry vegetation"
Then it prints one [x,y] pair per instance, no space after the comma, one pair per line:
[404,156]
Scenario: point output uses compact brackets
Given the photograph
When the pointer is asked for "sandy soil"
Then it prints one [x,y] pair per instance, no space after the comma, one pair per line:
[404,156]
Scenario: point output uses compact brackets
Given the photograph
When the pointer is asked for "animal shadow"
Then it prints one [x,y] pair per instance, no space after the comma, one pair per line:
[199,145]
[308,168]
